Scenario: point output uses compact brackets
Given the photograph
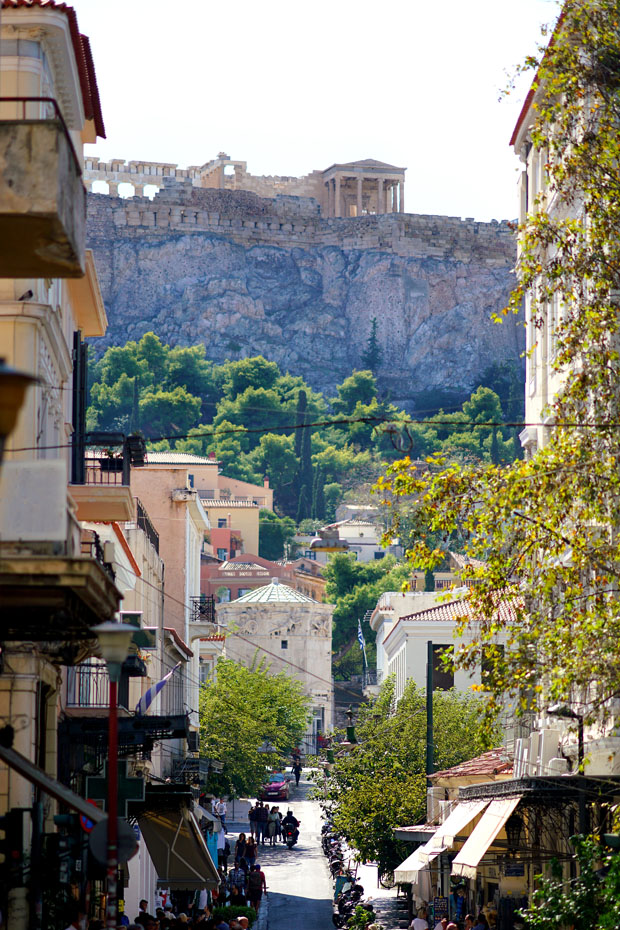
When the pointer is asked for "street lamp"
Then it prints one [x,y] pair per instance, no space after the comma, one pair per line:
[114,640]
[13,386]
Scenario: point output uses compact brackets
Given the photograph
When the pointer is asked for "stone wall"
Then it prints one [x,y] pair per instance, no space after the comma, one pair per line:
[250,275]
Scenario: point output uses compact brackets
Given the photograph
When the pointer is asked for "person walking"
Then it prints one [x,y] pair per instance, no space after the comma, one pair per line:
[262,816]
[252,819]
[257,884]
[419,922]
[251,851]
[297,772]
[273,823]
[240,847]
[237,883]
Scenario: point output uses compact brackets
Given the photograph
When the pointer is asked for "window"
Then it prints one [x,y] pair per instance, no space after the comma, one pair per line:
[443,679]
[190,481]
[221,523]
[222,554]
[284,644]
[379,554]
[242,591]
[310,554]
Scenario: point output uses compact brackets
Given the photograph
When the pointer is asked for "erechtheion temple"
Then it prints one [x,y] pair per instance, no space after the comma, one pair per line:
[352,189]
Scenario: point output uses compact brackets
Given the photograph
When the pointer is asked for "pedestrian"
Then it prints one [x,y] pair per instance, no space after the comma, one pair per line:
[252,819]
[143,916]
[251,851]
[237,880]
[221,809]
[223,851]
[272,825]
[257,884]
[279,824]
[469,921]
[240,847]
[481,922]
[419,922]
[442,924]
[452,926]
[262,816]
[236,899]
[297,772]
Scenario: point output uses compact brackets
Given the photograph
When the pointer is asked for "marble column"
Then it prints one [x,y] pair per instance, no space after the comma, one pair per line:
[380,196]
[113,188]
[337,207]
[401,196]
[359,196]
[138,190]
[394,198]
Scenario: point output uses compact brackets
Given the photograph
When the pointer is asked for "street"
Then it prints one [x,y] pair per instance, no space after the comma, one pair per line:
[298,880]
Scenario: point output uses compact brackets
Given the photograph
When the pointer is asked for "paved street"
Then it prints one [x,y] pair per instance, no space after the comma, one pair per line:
[298,880]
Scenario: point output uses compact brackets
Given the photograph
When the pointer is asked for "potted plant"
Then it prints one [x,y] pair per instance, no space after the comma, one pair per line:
[111,461]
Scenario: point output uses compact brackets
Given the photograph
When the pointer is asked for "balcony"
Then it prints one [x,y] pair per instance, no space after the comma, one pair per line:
[100,478]
[42,197]
[202,623]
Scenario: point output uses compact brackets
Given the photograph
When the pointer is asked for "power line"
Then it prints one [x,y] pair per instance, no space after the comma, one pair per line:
[349,421]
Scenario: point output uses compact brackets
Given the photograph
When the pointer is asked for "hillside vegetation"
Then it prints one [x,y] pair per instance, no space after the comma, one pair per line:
[248,413]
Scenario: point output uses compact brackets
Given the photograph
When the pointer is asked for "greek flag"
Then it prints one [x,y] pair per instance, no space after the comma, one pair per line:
[149,696]
[360,635]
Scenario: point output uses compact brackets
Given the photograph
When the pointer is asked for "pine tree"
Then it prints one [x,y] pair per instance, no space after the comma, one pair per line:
[318,497]
[303,508]
[372,355]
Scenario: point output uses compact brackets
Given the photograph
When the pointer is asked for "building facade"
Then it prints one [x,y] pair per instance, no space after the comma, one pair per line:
[292,633]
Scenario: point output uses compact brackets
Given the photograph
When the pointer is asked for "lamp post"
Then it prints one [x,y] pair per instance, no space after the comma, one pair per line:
[13,386]
[567,713]
[114,641]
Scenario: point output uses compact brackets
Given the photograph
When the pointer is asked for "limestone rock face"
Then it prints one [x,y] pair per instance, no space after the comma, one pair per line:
[304,294]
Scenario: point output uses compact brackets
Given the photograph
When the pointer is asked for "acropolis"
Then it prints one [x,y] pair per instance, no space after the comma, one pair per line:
[343,190]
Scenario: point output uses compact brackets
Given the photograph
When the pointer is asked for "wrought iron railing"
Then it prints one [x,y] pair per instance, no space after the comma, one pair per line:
[203,609]
[88,685]
[94,549]
[142,519]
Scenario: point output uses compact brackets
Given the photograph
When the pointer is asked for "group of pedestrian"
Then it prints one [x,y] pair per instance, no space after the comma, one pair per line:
[165,918]
[420,922]
[265,823]
[244,885]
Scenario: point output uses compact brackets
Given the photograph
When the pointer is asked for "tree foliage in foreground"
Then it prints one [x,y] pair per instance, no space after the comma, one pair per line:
[381,783]
[240,709]
[589,902]
[547,528]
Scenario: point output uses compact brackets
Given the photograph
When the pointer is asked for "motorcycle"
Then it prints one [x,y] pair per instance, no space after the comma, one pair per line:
[290,837]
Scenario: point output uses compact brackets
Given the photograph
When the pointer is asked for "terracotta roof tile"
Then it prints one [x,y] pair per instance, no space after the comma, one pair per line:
[493,762]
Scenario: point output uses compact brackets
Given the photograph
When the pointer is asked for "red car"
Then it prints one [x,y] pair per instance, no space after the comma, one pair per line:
[276,788]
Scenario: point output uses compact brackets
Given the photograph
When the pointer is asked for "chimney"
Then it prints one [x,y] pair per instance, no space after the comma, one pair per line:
[265,482]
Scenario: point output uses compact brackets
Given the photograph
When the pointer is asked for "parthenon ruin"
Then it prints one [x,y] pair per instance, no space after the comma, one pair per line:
[349,189]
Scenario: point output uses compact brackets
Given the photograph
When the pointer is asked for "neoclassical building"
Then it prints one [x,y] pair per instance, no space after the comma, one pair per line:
[346,189]
[293,633]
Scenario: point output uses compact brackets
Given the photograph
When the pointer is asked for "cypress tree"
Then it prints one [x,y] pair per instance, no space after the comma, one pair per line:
[494,447]
[318,497]
[372,355]
[303,508]
[429,580]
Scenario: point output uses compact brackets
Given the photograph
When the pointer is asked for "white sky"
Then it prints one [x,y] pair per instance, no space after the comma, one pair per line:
[290,87]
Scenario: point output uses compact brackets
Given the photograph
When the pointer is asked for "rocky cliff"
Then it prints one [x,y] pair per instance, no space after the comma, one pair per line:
[251,276]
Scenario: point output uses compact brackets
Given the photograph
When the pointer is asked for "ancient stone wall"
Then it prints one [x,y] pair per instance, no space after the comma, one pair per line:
[250,275]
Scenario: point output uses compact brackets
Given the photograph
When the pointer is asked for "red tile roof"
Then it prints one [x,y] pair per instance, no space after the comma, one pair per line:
[493,762]
[83,57]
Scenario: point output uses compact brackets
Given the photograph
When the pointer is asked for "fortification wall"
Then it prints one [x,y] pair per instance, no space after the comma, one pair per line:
[249,275]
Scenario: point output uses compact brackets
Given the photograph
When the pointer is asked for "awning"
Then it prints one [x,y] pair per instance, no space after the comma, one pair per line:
[444,836]
[178,850]
[204,814]
[486,831]
[408,870]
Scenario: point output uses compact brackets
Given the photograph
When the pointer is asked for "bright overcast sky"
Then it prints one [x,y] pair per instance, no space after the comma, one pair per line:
[290,87]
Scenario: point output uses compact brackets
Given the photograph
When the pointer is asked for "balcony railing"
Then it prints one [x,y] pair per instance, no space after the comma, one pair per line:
[88,685]
[142,519]
[203,610]
[94,548]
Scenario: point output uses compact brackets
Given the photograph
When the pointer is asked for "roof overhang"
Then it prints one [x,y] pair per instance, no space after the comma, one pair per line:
[178,850]
[87,301]
[485,833]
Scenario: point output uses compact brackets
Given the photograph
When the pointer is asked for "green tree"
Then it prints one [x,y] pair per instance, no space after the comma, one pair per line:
[274,536]
[154,355]
[358,388]
[372,355]
[168,412]
[239,709]
[547,528]
[247,373]
[382,783]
